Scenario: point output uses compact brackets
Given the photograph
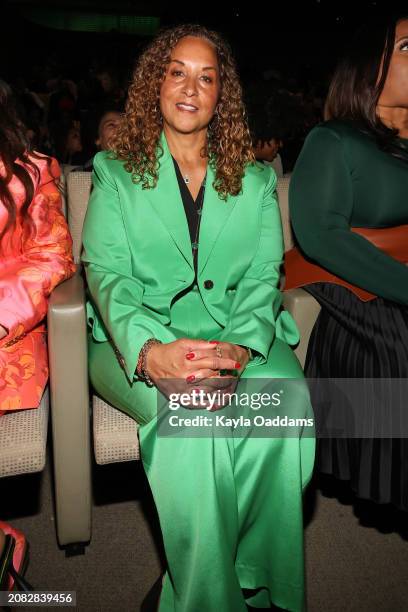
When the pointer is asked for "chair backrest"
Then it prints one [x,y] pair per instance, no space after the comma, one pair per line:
[283,198]
[276,164]
[78,190]
[65,170]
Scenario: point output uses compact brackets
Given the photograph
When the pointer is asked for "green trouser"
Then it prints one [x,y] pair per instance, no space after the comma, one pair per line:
[230,508]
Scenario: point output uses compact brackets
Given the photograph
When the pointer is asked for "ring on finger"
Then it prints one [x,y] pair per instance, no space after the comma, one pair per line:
[218,351]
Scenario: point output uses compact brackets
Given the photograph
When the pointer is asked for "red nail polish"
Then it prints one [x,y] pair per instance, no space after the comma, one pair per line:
[190,355]
[190,378]
[237,365]
[214,341]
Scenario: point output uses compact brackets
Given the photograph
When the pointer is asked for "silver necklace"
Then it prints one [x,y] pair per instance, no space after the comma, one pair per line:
[186,178]
[194,245]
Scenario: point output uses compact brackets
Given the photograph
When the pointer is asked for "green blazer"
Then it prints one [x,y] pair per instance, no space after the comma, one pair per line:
[138,257]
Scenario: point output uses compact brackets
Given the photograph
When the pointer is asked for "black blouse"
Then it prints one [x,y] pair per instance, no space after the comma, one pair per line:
[193,210]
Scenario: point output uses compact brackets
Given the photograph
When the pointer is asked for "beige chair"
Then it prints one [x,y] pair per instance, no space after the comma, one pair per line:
[114,433]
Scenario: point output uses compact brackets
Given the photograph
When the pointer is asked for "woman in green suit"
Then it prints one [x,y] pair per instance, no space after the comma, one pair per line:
[183,246]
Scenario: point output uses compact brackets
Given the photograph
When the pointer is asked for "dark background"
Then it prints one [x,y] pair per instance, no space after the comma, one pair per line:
[62,51]
[302,39]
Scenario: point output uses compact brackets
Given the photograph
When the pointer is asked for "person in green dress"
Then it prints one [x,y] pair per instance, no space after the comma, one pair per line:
[348,204]
[182,250]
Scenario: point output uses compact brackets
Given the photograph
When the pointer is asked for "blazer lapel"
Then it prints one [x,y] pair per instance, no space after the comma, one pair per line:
[167,202]
[214,217]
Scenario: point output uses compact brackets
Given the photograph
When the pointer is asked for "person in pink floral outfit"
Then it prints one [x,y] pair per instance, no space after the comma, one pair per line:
[35,256]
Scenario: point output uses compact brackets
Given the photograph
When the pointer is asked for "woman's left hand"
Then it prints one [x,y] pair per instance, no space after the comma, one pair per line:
[225,350]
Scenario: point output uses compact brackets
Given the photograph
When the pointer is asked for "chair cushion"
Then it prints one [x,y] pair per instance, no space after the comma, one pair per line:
[23,438]
[115,434]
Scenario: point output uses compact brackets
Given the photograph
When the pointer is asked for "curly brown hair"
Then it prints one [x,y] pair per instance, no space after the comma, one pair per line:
[136,142]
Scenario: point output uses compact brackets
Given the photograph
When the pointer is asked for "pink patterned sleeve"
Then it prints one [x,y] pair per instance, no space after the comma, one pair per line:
[44,262]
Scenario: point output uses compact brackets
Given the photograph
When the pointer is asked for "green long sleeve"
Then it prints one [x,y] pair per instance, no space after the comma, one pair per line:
[342,180]
[117,293]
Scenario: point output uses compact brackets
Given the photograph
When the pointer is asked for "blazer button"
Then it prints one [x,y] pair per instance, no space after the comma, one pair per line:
[208,284]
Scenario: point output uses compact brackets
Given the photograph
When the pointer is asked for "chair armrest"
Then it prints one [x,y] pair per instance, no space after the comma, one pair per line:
[67,345]
[304,309]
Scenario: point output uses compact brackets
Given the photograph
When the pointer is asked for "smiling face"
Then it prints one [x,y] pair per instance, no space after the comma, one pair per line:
[395,91]
[191,87]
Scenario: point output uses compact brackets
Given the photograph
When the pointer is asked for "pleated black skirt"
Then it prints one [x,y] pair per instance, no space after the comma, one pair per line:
[355,339]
